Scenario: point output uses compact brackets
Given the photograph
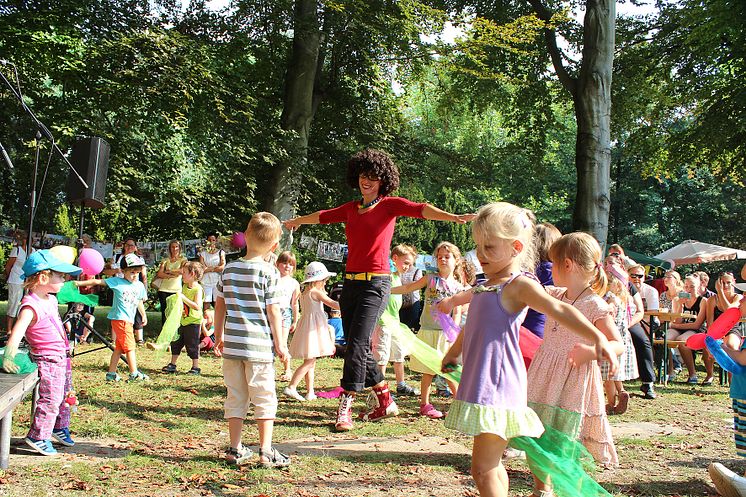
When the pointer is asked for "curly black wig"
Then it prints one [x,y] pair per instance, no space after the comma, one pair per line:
[373,162]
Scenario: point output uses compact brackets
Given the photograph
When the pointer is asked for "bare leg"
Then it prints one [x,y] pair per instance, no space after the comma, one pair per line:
[310,377]
[486,465]
[610,390]
[265,426]
[454,387]
[427,380]
[709,361]
[398,372]
[131,360]
[235,426]
[114,360]
[300,373]
[686,354]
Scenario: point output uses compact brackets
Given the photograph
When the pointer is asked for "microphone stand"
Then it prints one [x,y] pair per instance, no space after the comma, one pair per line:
[40,130]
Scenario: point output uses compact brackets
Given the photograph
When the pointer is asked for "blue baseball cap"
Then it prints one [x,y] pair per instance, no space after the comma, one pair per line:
[45,259]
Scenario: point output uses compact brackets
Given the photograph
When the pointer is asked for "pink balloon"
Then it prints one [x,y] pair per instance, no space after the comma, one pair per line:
[696,342]
[91,262]
[238,240]
[724,323]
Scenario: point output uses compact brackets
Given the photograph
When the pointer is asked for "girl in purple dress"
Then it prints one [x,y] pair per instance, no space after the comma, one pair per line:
[491,403]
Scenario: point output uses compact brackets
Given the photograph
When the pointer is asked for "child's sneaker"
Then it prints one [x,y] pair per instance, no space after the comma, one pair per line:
[405,390]
[444,392]
[43,447]
[311,396]
[63,436]
[194,372]
[113,376]
[430,411]
[238,456]
[292,392]
[138,376]
[169,368]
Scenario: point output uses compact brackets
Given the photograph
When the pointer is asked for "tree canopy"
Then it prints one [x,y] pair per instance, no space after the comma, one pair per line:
[192,101]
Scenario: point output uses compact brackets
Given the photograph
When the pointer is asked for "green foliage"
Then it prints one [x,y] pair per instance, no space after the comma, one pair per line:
[63,224]
[190,100]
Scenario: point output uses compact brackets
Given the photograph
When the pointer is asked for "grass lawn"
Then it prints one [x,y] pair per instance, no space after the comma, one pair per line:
[166,437]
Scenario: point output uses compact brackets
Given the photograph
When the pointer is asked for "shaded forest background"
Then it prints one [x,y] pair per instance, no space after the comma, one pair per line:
[191,100]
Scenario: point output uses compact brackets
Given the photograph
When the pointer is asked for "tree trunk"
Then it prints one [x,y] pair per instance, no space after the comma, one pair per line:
[298,110]
[592,98]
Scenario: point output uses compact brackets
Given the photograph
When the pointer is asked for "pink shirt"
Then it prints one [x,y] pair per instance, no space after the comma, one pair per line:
[369,234]
[46,335]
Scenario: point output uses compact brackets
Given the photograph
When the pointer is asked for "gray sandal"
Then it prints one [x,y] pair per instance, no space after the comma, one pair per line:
[275,459]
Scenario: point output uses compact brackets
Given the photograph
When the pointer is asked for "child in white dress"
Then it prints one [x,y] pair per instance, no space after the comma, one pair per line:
[313,337]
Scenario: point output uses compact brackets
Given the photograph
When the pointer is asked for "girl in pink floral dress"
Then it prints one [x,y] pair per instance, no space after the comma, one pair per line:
[569,395]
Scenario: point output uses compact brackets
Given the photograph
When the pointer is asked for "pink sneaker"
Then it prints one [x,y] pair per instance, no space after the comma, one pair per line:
[430,411]
[344,413]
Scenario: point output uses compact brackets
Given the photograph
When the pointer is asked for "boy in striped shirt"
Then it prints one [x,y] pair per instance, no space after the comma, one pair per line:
[248,326]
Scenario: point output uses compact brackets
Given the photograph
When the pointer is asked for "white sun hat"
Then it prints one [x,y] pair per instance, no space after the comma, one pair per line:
[316,271]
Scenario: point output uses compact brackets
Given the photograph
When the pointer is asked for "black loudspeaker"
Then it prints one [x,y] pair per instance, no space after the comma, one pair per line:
[90,158]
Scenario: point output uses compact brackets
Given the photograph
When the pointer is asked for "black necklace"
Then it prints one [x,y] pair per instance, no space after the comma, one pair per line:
[371,203]
[576,298]
[564,296]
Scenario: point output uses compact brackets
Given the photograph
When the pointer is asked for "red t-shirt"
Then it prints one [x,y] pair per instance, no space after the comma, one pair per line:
[369,234]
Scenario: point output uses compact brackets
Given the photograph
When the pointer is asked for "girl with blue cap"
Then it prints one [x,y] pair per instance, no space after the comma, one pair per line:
[39,321]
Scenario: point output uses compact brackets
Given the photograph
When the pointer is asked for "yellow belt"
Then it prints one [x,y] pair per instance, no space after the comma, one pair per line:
[363,276]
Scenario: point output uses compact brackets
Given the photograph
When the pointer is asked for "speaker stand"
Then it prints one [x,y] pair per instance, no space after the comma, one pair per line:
[41,129]
[75,318]
[82,220]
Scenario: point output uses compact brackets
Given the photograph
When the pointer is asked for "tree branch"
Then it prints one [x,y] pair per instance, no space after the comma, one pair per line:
[550,36]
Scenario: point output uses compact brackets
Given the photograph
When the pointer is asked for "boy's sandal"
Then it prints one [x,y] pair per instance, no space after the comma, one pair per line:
[274,459]
[169,368]
[238,456]
[707,381]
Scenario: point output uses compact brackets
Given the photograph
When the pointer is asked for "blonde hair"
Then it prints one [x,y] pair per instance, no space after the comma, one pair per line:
[265,228]
[678,284]
[468,273]
[508,222]
[404,249]
[635,266]
[616,248]
[617,287]
[450,248]
[694,279]
[585,252]
[195,268]
[34,280]
[545,235]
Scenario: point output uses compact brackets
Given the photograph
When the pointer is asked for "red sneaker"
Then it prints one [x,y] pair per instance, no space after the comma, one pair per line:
[344,413]
[380,406]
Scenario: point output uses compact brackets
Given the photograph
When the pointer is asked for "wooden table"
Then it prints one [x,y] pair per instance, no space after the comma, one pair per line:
[13,388]
[665,318]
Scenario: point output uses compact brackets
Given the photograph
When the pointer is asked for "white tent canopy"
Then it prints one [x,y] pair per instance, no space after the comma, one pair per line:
[694,252]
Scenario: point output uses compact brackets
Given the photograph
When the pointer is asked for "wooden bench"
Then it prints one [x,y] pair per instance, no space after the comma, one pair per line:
[13,388]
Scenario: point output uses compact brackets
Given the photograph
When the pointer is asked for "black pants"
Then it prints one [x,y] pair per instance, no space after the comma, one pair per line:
[411,315]
[644,353]
[189,338]
[362,303]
